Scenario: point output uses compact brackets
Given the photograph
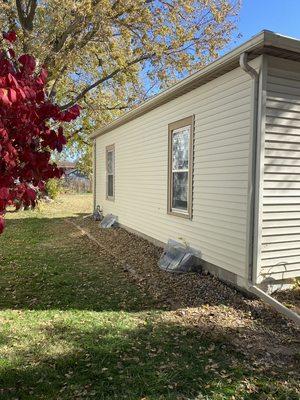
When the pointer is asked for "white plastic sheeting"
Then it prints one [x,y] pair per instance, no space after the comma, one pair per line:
[178,258]
[108,221]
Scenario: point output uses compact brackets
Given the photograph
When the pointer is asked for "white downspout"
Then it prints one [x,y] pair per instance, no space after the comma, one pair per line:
[94,174]
[275,303]
[251,286]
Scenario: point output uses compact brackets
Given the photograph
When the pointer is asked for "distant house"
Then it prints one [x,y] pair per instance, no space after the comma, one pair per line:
[73,179]
[214,161]
[68,166]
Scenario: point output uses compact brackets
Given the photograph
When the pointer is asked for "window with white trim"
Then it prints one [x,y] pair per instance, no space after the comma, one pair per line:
[110,172]
[180,167]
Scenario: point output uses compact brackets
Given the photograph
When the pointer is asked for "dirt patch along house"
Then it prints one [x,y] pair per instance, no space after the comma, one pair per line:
[214,161]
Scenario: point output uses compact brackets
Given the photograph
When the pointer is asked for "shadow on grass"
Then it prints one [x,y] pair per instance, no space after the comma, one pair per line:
[47,264]
[161,361]
[121,351]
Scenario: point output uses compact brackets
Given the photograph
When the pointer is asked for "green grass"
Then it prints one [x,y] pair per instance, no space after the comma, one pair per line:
[72,326]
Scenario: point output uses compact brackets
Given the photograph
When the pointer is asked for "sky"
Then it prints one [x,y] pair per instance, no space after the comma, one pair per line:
[280,16]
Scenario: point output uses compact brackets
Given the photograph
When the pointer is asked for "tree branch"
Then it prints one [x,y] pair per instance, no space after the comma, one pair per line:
[115,108]
[104,79]
[59,41]
[77,132]
[26,17]
[53,89]
[108,108]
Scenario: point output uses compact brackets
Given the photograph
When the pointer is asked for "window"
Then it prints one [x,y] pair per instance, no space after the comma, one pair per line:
[110,172]
[180,167]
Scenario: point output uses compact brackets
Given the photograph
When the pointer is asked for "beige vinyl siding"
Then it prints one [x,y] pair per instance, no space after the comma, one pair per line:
[280,241]
[218,228]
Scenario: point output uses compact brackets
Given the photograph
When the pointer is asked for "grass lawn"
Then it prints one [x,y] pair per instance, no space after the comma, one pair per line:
[73,326]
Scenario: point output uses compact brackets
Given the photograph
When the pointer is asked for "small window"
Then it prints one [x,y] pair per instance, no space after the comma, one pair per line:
[180,167]
[110,172]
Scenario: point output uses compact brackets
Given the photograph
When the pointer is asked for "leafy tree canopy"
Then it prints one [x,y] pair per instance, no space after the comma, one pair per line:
[108,55]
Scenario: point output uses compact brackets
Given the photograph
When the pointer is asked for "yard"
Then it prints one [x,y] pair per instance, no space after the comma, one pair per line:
[76,323]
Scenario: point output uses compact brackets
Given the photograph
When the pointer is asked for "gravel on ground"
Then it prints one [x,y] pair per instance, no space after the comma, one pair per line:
[203,301]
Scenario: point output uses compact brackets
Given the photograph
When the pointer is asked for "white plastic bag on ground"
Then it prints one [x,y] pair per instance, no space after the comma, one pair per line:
[108,221]
[178,258]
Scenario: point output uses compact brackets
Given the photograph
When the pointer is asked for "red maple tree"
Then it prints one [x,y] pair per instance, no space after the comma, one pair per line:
[30,128]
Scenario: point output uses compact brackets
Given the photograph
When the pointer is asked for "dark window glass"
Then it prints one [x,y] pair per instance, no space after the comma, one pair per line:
[180,190]
[110,185]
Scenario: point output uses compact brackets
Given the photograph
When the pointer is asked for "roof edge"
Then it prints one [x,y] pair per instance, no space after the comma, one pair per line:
[265,37]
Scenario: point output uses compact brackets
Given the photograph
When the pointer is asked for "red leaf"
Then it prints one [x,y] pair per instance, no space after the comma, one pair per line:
[12,53]
[10,36]
[72,113]
[4,97]
[28,63]
[42,78]
[41,185]
[4,193]
[2,224]
[31,194]
[12,95]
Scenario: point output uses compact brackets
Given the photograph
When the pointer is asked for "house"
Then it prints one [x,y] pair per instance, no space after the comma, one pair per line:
[214,161]
[68,166]
[73,179]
